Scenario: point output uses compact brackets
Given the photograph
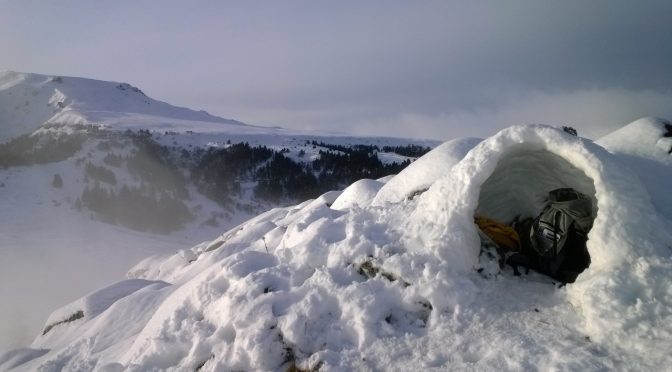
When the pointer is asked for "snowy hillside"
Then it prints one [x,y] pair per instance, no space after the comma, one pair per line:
[390,274]
[27,101]
[95,175]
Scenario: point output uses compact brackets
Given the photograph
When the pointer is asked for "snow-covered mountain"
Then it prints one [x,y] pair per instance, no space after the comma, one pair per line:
[390,274]
[95,175]
[29,101]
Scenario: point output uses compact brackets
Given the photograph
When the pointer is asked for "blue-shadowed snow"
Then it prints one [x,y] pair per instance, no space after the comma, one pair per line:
[394,286]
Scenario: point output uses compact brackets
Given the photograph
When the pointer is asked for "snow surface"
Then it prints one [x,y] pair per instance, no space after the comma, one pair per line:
[52,253]
[359,194]
[425,171]
[641,147]
[392,285]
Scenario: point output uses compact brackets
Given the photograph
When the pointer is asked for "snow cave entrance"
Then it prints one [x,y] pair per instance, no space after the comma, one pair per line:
[520,183]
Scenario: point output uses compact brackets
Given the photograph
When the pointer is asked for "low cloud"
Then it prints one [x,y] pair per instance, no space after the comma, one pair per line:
[593,113]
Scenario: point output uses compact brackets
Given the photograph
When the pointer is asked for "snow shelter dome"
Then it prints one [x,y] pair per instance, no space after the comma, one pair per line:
[624,292]
[624,295]
[511,173]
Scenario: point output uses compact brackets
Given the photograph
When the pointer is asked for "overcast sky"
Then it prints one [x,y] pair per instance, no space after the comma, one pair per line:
[431,69]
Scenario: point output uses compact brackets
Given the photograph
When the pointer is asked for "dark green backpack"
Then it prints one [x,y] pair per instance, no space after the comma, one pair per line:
[554,243]
[566,208]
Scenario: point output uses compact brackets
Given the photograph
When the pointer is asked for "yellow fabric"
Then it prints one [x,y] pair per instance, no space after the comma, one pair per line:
[504,236]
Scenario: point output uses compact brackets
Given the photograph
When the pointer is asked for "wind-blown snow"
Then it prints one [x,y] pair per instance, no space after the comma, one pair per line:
[393,286]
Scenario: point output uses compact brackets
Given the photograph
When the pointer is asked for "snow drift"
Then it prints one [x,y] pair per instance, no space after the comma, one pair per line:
[389,281]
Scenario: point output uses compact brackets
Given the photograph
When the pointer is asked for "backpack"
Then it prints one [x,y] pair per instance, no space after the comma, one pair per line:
[554,243]
[566,208]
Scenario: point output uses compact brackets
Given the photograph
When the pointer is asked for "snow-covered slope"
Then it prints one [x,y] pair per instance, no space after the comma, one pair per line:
[645,147]
[644,138]
[53,245]
[51,253]
[34,103]
[27,101]
[390,281]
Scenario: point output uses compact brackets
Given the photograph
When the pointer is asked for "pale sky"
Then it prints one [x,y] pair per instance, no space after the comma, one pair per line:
[429,69]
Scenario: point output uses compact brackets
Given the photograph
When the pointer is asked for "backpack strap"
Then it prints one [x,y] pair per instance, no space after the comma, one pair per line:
[515,259]
[556,229]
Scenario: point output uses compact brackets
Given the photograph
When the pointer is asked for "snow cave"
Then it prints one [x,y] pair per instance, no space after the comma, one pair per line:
[518,189]
[522,179]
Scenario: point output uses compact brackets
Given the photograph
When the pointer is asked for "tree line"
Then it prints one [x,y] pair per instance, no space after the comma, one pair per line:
[411,151]
[237,176]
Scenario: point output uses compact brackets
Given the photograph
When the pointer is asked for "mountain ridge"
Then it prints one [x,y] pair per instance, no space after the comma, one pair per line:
[33,100]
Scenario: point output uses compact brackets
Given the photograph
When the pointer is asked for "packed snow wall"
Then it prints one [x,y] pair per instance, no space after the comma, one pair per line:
[519,185]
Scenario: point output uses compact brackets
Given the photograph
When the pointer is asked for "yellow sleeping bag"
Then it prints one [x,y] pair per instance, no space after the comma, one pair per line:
[503,235]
